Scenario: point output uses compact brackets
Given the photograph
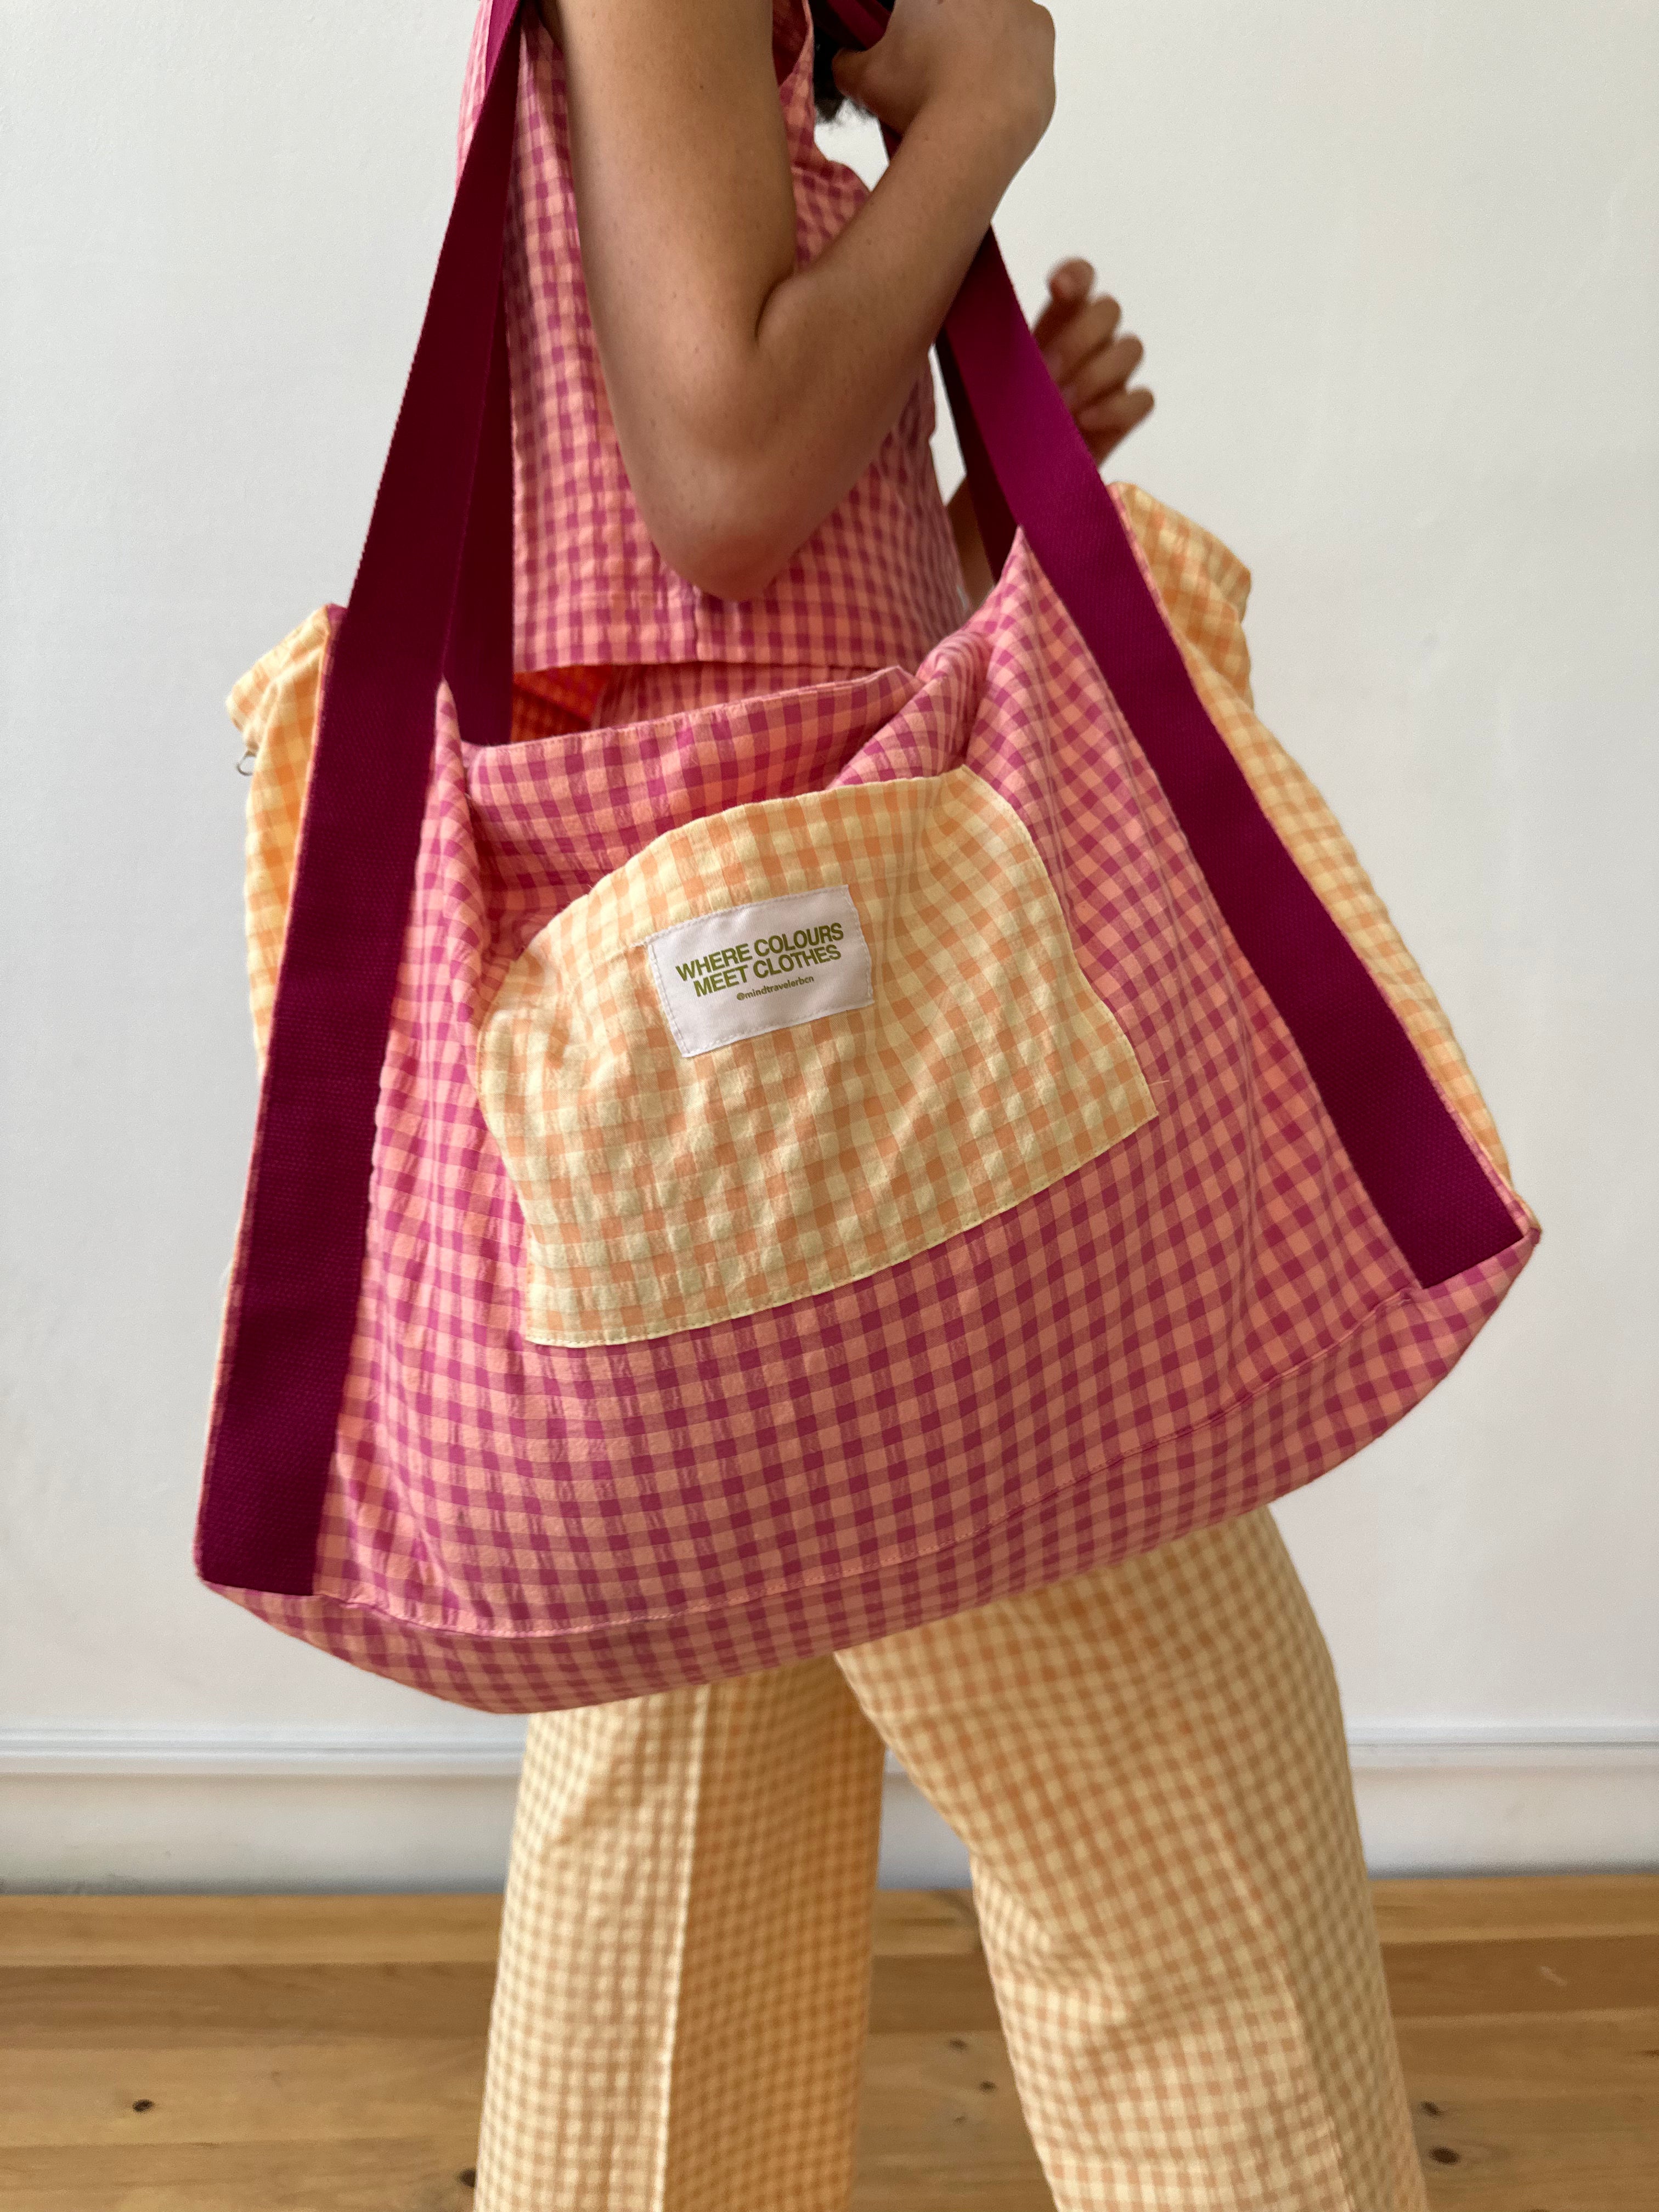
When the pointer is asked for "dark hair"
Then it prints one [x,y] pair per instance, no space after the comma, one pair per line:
[828,41]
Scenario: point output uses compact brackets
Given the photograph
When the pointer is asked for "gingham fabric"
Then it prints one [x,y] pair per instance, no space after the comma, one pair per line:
[878,582]
[1147,1766]
[1204,588]
[1206,1315]
[663,1192]
[275,707]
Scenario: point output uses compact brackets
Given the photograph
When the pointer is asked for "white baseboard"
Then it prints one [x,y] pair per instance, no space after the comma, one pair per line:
[280,1805]
[263,1751]
[489,1750]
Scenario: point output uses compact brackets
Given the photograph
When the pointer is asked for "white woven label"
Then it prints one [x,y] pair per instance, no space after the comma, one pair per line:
[750,968]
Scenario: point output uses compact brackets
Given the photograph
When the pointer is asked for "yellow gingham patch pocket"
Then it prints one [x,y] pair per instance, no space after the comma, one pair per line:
[663,1192]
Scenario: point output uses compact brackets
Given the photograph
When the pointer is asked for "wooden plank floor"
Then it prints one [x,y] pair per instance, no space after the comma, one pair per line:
[276,2054]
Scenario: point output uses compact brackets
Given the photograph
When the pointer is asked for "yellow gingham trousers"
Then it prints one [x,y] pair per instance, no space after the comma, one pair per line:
[1147,1766]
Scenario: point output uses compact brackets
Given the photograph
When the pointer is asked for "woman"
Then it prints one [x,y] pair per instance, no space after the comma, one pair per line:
[722,410]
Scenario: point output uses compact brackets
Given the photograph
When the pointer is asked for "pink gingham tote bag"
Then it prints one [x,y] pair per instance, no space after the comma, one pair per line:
[737,1185]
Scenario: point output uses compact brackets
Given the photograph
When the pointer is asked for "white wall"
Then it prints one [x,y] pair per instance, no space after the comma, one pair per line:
[1396,269]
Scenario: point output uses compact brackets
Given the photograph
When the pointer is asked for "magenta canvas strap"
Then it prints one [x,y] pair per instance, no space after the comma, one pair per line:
[433,599]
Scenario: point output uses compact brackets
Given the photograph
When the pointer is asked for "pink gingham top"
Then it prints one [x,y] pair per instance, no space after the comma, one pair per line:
[878,582]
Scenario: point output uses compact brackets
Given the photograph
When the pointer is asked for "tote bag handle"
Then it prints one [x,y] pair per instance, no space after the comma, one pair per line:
[432,600]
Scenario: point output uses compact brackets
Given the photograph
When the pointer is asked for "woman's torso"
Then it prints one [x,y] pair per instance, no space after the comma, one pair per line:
[878,582]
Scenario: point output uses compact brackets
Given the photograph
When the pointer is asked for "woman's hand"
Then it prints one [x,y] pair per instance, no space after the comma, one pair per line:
[1092,365]
[990,59]
[1091,358]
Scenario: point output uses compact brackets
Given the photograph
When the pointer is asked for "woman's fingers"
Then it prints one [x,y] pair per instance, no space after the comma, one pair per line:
[1105,371]
[1091,358]
[1069,285]
[1109,421]
[1090,327]
[1120,412]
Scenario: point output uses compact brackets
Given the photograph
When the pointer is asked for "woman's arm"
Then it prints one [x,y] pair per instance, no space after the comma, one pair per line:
[749,396]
